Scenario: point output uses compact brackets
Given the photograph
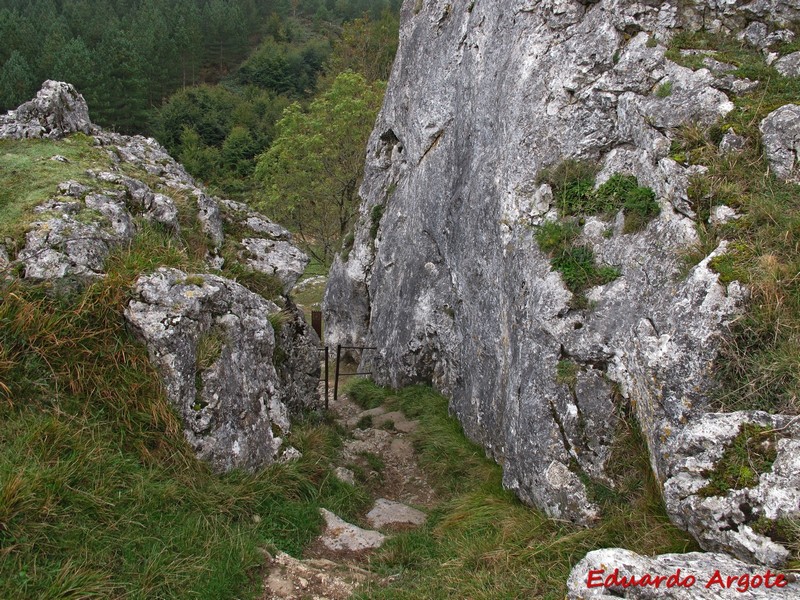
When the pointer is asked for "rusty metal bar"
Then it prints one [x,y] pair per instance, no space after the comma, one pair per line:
[336,376]
[327,359]
[358,347]
[316,322]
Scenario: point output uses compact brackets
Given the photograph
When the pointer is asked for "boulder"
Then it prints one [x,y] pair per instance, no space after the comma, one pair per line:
[387,513]
[691,576]
[780,131]
[737,520]
[74,237]
[278,258]
[213,344]
[57,110]
[789,65]
[341,536]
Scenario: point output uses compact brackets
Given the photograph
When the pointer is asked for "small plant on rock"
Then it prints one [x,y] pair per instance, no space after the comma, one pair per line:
[749,454]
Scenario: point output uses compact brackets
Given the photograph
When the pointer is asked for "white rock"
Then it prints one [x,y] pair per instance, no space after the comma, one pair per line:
[387,513]
[340,535]
[722,214]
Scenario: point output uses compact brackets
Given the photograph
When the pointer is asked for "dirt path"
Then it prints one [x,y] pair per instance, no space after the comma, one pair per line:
[378,453]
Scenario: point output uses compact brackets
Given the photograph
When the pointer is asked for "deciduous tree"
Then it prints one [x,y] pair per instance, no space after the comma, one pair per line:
[312,171]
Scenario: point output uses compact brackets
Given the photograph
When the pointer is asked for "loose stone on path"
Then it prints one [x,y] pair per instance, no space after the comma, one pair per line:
[341,536]
[387,513]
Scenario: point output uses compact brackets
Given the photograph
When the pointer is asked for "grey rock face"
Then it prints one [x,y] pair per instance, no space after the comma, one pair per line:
[789,65]
[210,217]
[454,289]
[299,365]
[73,238]
[280,258]
[213,344]
[57,110]
[705,571]
[780,131]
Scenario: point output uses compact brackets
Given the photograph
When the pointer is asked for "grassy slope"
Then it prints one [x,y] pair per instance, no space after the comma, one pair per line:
[29,176]
[760,367]
[99,494]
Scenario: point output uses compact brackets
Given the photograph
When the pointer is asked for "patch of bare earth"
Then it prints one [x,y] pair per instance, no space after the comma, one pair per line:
[380,454]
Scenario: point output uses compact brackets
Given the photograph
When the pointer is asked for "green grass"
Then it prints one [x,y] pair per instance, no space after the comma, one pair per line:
[664,90]
[480,541]
[572,182]
[100,496]
[28,177]
[749,454]
[574,194]
[575,261]
[567,373]
[760,364]
[375,220]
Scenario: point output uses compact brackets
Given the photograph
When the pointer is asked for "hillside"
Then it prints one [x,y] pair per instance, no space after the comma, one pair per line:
[140,333]
[575,267]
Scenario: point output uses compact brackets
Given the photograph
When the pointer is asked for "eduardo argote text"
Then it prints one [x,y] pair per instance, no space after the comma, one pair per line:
[742,582]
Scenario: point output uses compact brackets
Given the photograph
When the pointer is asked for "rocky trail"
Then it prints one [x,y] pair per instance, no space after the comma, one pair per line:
[378,451]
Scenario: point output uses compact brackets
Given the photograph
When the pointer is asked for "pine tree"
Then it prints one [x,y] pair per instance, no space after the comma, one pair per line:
[17,82]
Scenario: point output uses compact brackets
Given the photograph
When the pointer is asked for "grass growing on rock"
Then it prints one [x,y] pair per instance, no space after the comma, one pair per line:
[29,176]
[749,454]
[481,542]
[573,185]
[760,364]
[575,261]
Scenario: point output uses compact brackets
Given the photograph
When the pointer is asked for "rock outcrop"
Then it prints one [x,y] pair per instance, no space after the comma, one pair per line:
[57,110]
[213,343]
[235,365]
[452,288]
[780,132]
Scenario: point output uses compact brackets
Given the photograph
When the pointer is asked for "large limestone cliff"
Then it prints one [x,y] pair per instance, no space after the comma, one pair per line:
[447,280]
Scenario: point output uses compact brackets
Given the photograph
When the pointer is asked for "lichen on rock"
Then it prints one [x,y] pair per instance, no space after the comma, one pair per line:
[227,397]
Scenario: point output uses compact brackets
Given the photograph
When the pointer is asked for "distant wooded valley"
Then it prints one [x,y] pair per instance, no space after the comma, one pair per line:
[212,79]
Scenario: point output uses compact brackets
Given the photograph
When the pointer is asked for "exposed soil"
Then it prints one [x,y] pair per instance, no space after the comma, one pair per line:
[380,455]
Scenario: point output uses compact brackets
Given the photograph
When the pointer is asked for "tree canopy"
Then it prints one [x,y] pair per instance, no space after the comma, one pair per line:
[313,169]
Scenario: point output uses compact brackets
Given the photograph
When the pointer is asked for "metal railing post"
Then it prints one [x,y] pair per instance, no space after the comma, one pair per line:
[336,376]
[327,359]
